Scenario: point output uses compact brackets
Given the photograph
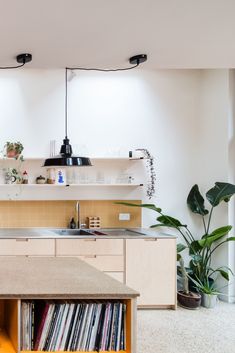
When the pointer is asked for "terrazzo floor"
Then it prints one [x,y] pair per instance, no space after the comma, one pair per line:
[187,331]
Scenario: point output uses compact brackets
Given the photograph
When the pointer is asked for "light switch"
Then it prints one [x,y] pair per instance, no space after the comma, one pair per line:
[124,216]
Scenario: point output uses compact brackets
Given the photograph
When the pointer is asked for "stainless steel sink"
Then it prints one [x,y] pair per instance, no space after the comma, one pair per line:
[72,231]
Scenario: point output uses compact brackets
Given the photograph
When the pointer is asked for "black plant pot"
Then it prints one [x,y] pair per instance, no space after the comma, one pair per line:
[189,301]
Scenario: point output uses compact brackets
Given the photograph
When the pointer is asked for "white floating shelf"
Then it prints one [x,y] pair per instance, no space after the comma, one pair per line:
[92,158]
[68,185]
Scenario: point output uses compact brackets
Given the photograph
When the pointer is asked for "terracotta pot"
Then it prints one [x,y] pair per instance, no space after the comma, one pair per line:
[189,301]
[12,154]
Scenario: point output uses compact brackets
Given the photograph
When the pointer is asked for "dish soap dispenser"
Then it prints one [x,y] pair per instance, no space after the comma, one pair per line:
[72,224]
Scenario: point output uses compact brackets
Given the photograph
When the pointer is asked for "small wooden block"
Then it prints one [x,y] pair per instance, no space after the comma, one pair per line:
[94,222]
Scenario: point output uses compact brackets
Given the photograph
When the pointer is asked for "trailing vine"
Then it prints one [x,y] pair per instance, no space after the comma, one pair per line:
[150,190]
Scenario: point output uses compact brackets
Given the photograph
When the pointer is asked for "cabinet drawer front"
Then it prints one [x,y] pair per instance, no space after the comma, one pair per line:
[105,263]
[89,247]
[27,247]
[119,276]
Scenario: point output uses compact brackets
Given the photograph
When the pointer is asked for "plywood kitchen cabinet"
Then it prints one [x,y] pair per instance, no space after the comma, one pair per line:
[151,270]
[27,247]
[106,255]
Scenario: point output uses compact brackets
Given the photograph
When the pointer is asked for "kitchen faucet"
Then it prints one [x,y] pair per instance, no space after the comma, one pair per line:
[78,216]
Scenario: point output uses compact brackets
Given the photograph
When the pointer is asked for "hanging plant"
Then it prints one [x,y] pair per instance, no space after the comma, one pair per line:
[150,191]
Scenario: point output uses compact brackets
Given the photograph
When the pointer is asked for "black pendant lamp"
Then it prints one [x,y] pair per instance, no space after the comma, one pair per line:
[66,157]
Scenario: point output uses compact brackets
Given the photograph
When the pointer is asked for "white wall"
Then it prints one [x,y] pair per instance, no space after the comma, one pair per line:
[173,113]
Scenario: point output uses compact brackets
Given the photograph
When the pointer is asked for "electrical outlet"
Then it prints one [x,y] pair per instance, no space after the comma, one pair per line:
[124,216]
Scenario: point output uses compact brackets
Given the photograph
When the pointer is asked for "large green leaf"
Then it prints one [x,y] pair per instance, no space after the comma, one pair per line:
[214,236]
[224,271]
[224,274]
[170,221]
[180,247]
[158,225]
[220,192]
[194,247]
[195,201]
[230,239]
[143,205]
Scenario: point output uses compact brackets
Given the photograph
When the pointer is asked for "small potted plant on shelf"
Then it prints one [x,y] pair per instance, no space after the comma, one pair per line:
[186,298]
[14,150]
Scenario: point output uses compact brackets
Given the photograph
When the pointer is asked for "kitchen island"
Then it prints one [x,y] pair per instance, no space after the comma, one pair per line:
[67,279]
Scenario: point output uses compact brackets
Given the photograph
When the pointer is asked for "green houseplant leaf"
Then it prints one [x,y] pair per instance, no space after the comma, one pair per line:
[143,205]
[217,234]
[195,201]
[180,247]
[220,192]
[169,221]
[194,247]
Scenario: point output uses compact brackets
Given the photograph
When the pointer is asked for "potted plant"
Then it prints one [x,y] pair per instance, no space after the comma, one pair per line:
[201,250]
[14,149]
[208,291]
[186,298]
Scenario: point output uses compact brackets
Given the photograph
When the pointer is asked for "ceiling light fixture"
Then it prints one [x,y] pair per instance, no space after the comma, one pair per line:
[66,157]
[22,59]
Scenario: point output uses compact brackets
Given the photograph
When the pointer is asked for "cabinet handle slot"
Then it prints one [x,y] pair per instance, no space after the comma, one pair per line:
[22,239]
[90,256]
[151,239]
[90,239]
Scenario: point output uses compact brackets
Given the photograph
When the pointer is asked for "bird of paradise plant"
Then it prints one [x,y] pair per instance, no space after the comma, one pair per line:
[201,250]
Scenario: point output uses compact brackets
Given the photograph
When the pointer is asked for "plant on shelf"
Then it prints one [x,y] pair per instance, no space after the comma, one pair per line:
[202,250]
[151,182]
[15,173]
[14,150]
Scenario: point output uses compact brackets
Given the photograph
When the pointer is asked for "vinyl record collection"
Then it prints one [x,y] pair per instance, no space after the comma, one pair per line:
[73,326]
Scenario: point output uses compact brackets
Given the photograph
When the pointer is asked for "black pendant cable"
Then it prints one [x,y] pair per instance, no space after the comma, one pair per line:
[66,157]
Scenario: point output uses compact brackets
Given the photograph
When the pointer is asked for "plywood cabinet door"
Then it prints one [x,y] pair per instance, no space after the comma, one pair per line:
[27,247]
[151,270]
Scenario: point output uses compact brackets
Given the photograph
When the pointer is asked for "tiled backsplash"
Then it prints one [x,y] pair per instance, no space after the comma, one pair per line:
[58,213]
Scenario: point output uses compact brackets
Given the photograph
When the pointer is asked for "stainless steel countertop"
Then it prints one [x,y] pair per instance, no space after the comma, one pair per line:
[47,233]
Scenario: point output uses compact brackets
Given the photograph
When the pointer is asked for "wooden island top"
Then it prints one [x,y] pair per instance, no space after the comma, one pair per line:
[57,278]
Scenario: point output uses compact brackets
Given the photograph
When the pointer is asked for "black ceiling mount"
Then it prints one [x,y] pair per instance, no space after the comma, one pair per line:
[138,59]
[24,58]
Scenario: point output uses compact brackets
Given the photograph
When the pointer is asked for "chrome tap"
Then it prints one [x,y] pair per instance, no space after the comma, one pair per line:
[78,217]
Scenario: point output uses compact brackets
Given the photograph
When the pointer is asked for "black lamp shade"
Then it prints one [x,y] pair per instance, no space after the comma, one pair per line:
[69,161]
[66,159]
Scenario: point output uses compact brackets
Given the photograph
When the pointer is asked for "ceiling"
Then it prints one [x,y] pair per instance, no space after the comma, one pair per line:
[105,33]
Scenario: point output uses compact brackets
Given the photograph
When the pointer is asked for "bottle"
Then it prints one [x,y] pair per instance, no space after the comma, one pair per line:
[25,179]
[72,224]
